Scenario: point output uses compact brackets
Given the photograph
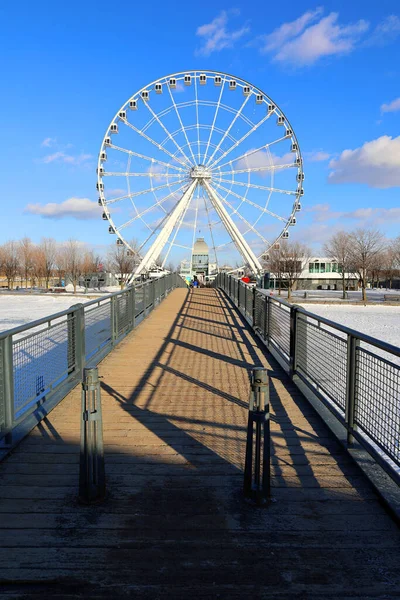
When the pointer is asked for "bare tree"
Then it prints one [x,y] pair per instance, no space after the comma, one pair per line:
[10,261]
[390,263]
[287,261]
[366,244]
[89,266]
[47,253]
[72,259]
[26,256]
[338,247]
[273,262]
[294,257]
[121,262]
[396,249]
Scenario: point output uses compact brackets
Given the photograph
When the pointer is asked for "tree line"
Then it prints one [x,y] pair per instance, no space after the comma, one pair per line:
[28,264]
[364,253]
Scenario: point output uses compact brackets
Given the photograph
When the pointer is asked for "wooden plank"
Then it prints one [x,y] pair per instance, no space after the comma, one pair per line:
[175,519]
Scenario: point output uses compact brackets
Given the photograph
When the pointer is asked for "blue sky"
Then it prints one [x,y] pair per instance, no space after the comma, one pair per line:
[67,67]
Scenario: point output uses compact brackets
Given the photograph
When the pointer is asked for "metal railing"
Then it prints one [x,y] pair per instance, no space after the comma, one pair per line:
[40,362]
[356,376]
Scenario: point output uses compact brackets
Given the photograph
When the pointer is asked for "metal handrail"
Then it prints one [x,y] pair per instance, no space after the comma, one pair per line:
[360,387]
[343,328]
[39,368]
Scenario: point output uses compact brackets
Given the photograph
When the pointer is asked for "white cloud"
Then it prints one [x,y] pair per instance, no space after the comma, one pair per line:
[62,157]
[297,44]
[375,216]
[77,208]
[385,32]
[323,213]
[288,31]
[393,106]
[262,158]
[48,142]
[375,163]
[116,192]
[215,35]
[318,156]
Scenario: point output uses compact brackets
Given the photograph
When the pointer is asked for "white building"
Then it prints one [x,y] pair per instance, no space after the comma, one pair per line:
[199,264]
[320,273]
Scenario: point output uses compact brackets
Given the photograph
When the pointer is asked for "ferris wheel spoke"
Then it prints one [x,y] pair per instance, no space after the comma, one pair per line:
[150,208]
[181,124]
[142,192]
[235,118]
[169,224]
[149,158]
[232,229]
[260,187]
[213,123]
[148,174]
[197,118]
[172,242]
[195,217]
[257,169]
[251,152]
[235,211]
[156,144]
[261,208]
[186,158]
[211,231]
[242,139]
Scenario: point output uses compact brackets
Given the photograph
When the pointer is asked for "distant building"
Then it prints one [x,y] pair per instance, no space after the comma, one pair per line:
[199,264]
[320,273]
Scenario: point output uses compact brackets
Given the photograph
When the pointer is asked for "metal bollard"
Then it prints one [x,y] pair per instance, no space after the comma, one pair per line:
[258,489]
[92,483]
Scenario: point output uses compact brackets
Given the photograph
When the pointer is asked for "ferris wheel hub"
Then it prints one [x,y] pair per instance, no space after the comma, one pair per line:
[200,172]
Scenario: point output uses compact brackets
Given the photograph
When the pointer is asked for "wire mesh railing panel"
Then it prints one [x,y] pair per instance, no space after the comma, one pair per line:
[279,327]
[321,357]
[377,401]
[260,314]
[249,301]
[123,317]
[2,390]
[157,291]
[41,361]
[139,301]
[98,332]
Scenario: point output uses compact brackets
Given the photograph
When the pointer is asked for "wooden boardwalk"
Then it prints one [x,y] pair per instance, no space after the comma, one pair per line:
[175,524]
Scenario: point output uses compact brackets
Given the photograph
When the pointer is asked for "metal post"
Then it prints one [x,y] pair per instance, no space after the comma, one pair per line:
[253,309]
[79,338]
[133,308]
[266,311]
[92,482]
[351,382]
[7,390]
[258,415]
[114,319]
[293,339]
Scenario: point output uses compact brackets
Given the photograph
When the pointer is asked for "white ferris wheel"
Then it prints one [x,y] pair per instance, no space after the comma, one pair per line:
[199,153]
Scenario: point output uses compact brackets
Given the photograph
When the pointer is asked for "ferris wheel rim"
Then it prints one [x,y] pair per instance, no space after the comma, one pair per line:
[196,74]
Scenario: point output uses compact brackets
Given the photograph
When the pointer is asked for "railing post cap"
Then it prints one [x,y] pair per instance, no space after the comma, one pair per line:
[259,376]
[91,374]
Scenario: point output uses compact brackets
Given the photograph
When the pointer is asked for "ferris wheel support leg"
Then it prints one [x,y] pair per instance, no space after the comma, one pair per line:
[233,231]
[155,250]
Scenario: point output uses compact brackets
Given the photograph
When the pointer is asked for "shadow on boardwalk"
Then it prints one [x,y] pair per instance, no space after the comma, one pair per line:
[175,395]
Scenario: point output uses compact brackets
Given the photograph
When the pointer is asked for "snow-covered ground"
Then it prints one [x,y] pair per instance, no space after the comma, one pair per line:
[379,321]
[17,310]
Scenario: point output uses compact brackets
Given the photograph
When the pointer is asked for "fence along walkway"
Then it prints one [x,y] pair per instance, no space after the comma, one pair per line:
[174,396]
